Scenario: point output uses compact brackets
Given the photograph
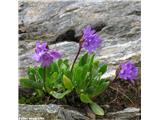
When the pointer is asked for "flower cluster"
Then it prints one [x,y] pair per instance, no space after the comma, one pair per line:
[43,55]
[91,40]
[128,71]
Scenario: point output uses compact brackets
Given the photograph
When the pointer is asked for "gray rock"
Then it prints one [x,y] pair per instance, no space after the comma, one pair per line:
[57,112]
[49,112]
[126,114]
[60,23]
[54,18]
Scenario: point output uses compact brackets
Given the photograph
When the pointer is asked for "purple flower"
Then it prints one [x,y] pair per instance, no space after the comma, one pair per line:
[91,39]
[36,57]
[43,55]
[128,71]
[41,47]
[55,54]
[46,59]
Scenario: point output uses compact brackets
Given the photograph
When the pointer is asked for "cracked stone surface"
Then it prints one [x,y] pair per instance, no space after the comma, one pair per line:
[60,23]
[56,112]
[49,112]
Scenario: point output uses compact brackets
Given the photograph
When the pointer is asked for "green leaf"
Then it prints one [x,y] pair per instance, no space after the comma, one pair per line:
[83,59]
[96,64]
[63,67]
[85,98]
[90,90]
[67,82]
[91,60]
[99,87]
[97,109]
[77,75]
[103,69]
[31,73]
[94,69]
[48,71]
[84,76]
[38,74]
[49,83]
[60,61]
[59,95]
[40,93]
[66,62]
[26,83]
[54,76]
[54,67]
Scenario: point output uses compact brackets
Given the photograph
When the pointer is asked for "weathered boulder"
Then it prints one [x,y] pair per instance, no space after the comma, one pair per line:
[49,112]
[56,112]
[60,23]
[126,114]
[60,20]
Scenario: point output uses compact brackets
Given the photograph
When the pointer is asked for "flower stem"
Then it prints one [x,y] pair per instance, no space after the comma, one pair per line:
[79,50]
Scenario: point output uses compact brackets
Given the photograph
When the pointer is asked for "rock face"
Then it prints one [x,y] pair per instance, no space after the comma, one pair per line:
[49,112]
[55,112]
[60,23]
[126,114]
